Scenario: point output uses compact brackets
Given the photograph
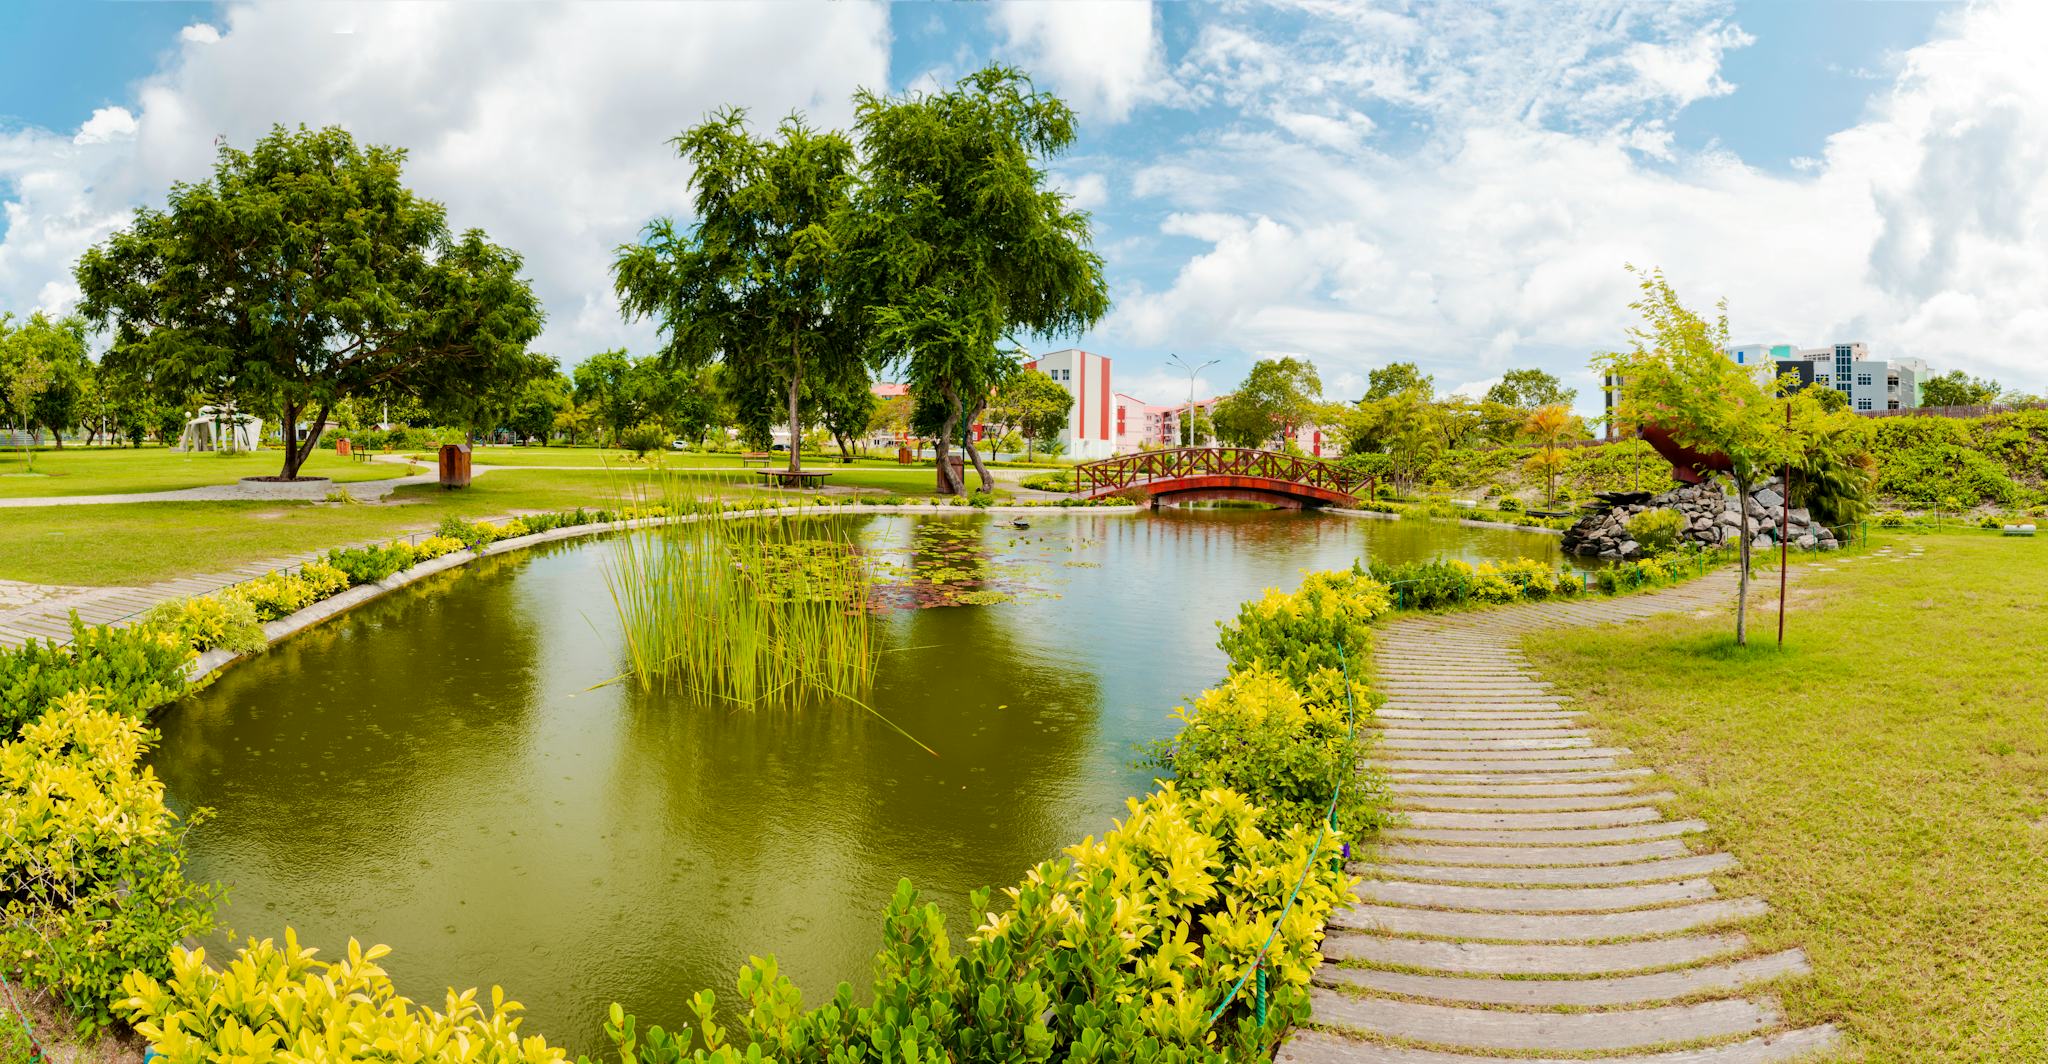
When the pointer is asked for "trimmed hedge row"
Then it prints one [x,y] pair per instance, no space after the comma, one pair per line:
[1454,583]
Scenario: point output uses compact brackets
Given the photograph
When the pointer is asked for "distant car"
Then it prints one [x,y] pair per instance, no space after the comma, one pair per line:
[779,447]
[680,444]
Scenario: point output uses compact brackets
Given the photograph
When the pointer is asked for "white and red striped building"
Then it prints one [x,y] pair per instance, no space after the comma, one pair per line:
[1091,430]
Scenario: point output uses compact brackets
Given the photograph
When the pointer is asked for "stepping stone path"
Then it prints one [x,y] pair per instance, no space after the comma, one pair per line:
[1533,903]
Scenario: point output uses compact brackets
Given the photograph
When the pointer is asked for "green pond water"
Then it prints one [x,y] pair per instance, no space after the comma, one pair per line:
[434,770]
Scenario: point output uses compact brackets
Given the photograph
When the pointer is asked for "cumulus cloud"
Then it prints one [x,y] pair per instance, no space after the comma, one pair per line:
[547,126]
[1103,58]
[107,123]
[1544,163]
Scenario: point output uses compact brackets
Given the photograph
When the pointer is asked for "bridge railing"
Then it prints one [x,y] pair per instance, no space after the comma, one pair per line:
[1148,467]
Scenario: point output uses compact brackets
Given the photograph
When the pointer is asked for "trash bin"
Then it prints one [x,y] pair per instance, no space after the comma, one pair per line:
[455,465]
[341,448]
[959,463]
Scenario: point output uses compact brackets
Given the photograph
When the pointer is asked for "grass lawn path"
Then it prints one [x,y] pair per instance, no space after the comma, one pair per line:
[1536,899]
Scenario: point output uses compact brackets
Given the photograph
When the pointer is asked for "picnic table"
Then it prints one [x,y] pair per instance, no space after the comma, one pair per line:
[748,458]
[797,478]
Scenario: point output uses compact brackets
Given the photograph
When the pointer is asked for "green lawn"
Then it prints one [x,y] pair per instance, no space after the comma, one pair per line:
[112,471]
[606,456]
[1883,780]
[129,543]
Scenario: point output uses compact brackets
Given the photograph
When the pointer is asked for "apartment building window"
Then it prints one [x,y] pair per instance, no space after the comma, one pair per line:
[1862,404]
[1863,380]
[1822,380]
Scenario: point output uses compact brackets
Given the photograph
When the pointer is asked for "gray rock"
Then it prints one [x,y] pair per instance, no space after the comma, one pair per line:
[1806,542]
[1768,499]
[1630,548]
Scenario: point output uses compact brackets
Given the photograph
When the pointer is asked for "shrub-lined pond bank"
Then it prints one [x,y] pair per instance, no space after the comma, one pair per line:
[639,846]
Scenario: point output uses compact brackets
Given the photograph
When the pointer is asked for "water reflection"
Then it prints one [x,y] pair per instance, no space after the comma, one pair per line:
[437,771]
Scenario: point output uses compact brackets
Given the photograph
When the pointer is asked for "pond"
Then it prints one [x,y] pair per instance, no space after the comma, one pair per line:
[440,770]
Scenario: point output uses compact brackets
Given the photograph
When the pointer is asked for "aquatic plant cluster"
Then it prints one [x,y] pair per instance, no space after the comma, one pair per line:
[766,612]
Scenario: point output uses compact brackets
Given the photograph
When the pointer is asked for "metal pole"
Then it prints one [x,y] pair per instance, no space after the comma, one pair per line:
[1784,530]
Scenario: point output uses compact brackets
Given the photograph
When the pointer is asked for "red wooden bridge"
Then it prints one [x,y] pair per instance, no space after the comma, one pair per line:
[1187,474]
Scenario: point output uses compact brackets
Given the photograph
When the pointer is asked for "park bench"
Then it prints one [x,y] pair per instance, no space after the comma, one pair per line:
[759,458]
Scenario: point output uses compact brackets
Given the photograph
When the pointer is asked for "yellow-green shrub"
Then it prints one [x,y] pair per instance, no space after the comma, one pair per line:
[91,858]
[225,621]
[282,1006]
[1119,952]
[1285,748]
[135,669]
[274,596]
[323,580]
[1320,625]
[436,546]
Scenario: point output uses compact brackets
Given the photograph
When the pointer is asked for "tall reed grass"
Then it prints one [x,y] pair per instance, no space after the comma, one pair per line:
[757,611]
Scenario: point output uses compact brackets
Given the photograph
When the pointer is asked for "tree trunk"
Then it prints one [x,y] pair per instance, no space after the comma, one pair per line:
[942,447]
[56,437]
[1742,582]
[289,411]
[796,382]
[296,454]
[845,449]
[988,480]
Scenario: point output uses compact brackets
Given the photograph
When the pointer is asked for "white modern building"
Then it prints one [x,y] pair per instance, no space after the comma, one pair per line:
[1869,384]
[1089,433]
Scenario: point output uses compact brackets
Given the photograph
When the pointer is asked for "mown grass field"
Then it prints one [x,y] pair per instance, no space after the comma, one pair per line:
[1883,780]
[134,543]
[113,471]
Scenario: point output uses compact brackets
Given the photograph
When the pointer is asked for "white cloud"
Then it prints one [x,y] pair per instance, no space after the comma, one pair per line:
[199,33]
[547,126]
[107,123]
[1102,57]
[1544,163]
[1085,191]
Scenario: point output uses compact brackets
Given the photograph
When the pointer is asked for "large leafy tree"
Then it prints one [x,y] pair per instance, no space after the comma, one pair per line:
[847,408]
[604,382]
[304,273]
[1530,389]
[958,247]
[1032,403]
[45,373]
[1956,388]
[1277,397]
[752,282]
[1397,378]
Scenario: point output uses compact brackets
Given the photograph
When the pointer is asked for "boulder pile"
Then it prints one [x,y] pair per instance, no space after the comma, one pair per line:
[1711,520]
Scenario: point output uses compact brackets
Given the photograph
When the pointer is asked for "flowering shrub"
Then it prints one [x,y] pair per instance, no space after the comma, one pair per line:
[92,859]
[274,1004]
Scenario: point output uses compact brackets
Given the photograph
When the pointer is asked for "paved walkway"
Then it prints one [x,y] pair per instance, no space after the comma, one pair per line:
[1536,905]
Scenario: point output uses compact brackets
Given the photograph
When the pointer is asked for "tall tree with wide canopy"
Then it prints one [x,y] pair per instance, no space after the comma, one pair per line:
[1530,389]
[752,282]
[959,249]
[44,371]
[1277,397]
[305,273]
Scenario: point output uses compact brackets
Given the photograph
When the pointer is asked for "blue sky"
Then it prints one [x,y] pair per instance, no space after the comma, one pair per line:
[1456,184]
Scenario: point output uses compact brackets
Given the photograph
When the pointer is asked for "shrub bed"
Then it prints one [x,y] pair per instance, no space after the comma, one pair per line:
[1453,583]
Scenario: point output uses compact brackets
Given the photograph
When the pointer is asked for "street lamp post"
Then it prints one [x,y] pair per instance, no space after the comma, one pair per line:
[1192,371]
